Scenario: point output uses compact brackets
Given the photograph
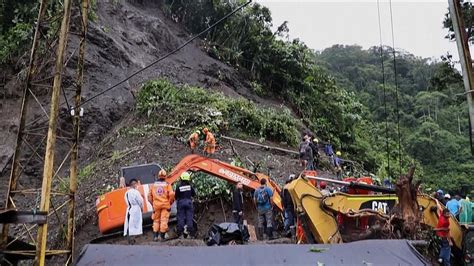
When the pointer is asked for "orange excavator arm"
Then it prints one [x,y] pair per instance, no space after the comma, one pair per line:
[225,171]
[111,207]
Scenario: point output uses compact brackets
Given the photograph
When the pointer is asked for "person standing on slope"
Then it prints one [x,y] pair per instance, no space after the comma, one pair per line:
[288,208]
[133,217]
[193,140]
[161,195]
[263,200]
[210,143]
[306,154]
[466,214]
[454,206]
[238,203]
[442,231]
[338,165]
[184,195]
[316,156]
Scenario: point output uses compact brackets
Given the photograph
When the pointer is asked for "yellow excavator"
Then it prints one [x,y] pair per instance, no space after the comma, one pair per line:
[341,217]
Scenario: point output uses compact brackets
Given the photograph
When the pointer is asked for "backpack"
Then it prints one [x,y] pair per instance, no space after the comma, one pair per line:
[262,196]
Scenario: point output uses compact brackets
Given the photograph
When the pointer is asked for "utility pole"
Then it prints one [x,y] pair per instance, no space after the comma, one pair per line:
[48,170]
[466,62]
[77,114]
[15,172]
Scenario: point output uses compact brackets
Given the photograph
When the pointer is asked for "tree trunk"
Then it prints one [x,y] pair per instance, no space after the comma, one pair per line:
[408,209]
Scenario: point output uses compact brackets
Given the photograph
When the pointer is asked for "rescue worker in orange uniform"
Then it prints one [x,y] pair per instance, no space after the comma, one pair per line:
[193,140]
[210,144]
[161,196]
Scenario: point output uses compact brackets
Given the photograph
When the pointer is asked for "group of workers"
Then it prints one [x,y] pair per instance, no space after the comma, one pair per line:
[460,209]
[262,198]
[162,196]
[310,157]
[309,153]
[209,142]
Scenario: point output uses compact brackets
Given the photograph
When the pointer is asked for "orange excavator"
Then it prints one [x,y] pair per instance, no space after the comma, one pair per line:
[111,207]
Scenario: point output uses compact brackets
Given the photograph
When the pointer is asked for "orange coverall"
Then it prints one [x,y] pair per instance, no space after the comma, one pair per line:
[210,145]
[162,196]
[193,141]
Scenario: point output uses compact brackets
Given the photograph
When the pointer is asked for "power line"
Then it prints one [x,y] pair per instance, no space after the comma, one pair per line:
[396,89]
[155,62]
[384,91]
[168,54]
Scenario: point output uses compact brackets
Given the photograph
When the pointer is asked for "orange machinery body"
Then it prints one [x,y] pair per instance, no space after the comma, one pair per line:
[342,219]
[111,207]
[361,222]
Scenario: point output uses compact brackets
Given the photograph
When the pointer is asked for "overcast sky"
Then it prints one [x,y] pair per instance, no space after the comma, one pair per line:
[417,24]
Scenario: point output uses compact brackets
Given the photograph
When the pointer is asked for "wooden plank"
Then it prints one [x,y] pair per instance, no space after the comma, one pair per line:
[260,145]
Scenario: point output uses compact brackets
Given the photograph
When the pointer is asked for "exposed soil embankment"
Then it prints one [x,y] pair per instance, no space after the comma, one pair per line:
[125,37]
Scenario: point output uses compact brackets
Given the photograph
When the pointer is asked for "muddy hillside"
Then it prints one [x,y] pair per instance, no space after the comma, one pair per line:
[124,37]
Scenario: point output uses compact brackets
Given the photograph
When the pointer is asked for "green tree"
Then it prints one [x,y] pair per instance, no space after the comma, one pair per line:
[467,12]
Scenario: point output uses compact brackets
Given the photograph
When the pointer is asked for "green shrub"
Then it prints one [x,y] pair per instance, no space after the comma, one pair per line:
[194,107]
[208,187]
[14,41]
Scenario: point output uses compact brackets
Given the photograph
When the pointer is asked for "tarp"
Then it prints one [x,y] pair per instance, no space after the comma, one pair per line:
[366,252]
[224,233]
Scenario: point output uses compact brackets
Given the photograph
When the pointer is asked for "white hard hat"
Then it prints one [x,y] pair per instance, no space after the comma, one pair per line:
[447,196]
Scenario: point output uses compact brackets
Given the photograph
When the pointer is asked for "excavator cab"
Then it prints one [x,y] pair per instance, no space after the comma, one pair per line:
[145,173]
[111,206]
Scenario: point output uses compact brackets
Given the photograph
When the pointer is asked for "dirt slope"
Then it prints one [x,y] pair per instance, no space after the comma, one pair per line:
[125,37]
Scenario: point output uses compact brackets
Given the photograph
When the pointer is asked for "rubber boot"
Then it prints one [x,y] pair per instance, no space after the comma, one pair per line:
[163,236]
[260,233]
[293,232]
[270,233]
[155,236]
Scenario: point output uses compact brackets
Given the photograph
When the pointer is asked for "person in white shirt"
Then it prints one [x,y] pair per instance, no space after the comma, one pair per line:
[133,218]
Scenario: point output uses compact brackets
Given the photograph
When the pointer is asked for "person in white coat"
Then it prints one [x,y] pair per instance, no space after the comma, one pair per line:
[133,218]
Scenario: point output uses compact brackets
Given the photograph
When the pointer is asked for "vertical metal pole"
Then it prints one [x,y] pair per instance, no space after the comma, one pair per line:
[74,154]
[14,174]
[466,61]
[48,170]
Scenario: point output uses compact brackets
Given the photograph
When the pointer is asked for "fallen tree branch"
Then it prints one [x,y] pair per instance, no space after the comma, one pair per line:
[223,210]
[260,145]
[169,126]
[234,150]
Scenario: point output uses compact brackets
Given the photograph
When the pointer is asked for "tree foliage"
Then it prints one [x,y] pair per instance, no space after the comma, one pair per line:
[467,11]
[433,119]
[16,25]
[195,107]
[282,69]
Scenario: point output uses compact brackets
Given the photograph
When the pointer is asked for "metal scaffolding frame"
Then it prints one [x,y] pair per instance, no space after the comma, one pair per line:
[38,207]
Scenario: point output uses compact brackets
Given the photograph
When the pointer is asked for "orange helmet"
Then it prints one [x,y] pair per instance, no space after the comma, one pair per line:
[205,130]
[322,185]
[162,173]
